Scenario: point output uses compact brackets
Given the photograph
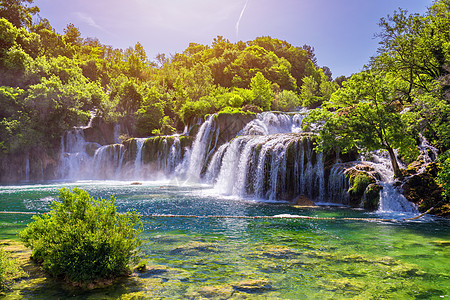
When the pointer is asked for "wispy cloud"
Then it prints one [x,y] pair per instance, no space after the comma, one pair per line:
[239,20]
[88,20]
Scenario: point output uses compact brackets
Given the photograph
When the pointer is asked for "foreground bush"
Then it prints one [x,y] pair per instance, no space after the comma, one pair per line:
[82,239]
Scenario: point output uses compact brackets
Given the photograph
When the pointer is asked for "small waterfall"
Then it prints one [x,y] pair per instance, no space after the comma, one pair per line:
[27,168]
[74,158]
[337,184]
[138,159]
[391,200]
[175,156]
[201,149]
[428,152]
[108,161]
[268,123]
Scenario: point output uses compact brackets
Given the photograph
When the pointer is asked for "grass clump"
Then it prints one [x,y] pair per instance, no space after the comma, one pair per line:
[84,240]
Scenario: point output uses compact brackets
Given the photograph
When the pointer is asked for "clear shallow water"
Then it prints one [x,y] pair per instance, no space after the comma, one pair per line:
[256,258]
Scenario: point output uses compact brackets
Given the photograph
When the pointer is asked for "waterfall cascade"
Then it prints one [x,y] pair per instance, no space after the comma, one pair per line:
[270,158]
[391,199]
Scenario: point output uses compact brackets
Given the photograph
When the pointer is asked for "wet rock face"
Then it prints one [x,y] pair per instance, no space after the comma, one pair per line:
[41,165]
[229,124]
[99,132]
[423,190]
[372,196]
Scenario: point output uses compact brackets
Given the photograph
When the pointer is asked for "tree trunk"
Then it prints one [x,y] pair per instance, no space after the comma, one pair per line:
[394,162]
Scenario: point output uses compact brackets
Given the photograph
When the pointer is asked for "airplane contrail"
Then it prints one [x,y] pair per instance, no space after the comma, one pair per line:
[239,20]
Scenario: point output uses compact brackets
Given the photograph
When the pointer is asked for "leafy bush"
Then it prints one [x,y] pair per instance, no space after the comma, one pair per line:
[82,239]
[192,109]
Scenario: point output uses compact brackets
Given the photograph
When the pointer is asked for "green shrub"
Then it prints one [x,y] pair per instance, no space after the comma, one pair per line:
[82,239]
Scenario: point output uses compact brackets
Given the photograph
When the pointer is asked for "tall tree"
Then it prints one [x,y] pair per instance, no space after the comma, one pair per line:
[364,115]
[18,12]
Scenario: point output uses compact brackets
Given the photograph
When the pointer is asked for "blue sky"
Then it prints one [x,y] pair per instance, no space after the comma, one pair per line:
[342,32]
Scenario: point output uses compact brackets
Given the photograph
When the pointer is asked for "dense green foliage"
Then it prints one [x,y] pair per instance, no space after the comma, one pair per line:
[51,81]
[444,175]
[83,239]
[364,114]
[403,93]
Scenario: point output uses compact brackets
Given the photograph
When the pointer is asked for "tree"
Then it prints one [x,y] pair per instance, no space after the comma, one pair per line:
[444,175]
[262,91]
[365,115]
[415,48]
[316,87]
[17,12]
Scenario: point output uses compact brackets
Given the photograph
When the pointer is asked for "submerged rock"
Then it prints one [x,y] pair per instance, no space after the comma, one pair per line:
[253,286]
[194,248]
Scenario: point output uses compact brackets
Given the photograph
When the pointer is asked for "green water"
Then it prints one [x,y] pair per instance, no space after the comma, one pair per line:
[253,258]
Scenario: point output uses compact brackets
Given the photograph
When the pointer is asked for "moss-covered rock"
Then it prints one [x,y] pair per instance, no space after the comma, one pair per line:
[423,190]
[253,286]
[194,248]
[358,182]
[372,196]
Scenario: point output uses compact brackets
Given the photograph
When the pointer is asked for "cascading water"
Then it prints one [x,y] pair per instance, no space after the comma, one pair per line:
[138,159]
[391,200]
[74,155]
[201,149]
[108,161]
[27,168]
[271,123]
[270,159]
[266,161]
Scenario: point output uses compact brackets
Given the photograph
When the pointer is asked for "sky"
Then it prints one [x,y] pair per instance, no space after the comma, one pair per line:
[342,32]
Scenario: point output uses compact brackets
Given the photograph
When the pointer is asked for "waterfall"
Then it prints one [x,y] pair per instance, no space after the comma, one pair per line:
[268,123]
[337,184]
[138,159]
[201,149]
[27,168]
[174,156]
[266,167]
[74,158]
[108,161]
[391,200]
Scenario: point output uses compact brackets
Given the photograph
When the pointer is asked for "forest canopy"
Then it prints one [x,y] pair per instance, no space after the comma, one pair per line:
[52,81]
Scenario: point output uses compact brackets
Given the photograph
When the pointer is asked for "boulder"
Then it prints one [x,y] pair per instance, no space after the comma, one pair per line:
[372,196]
[423,190]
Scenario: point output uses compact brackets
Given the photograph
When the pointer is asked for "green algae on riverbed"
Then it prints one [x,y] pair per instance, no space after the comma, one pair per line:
[261,271]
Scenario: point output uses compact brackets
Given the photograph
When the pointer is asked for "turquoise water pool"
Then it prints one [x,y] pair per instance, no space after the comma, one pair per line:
[227,258]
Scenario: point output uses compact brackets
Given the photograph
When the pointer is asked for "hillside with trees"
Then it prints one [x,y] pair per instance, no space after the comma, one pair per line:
[52,81]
